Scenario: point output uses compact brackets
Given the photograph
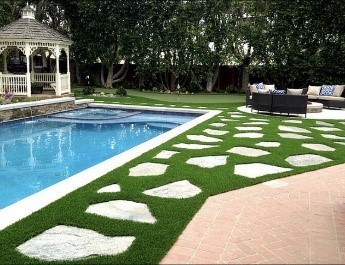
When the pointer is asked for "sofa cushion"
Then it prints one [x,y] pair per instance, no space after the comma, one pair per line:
[339,89]
[278,92]
[313,97]
[313,90]
[327,90]
[253,89]
[270,87]
[331,98]
[294,91]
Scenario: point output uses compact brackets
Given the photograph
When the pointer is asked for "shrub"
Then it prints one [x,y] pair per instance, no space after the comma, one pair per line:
[121,91]
[88,90]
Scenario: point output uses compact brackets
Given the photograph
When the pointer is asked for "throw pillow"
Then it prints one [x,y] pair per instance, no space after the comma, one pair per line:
[314,90]
[260,86]
[338,91]
[327,90]
[270,87]
[253,89]
[278,92]
[294,91]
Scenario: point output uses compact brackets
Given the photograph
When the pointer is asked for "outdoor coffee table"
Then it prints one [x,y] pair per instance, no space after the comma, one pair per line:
[314,107]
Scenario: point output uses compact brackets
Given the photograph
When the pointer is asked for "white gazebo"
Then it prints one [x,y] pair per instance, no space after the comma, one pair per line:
[30,37]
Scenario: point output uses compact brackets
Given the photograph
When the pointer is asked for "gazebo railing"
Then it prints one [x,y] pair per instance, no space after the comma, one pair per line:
[64,83]
[44,79]
[13,83]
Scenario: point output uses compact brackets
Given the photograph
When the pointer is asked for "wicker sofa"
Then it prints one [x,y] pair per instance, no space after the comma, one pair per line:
[330,97]
[274,103]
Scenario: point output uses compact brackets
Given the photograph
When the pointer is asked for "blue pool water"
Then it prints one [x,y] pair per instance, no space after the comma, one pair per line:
[37,153]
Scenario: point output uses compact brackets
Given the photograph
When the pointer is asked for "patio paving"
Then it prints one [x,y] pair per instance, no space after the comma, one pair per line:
[298,219]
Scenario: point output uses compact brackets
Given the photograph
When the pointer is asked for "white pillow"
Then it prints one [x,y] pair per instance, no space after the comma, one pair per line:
[294,91]
[263,91]
[314,90]
[253,89]
[338,90]
[270,87]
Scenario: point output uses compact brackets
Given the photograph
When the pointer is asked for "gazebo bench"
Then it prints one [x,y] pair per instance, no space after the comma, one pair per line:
[36,89]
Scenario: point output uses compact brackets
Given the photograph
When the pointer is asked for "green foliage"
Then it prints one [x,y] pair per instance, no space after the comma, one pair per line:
[121,91]
[88,90]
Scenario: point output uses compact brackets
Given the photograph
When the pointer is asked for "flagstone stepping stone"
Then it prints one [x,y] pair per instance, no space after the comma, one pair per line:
[292,121]
[110,188]
[332,136]
[208,161]
[234,112]
[218,124]
[205,139]
[63,243]
[318,147]
[247,151]
[323,123]
[158,104]
[185,106]
[255,170]
[248,135]
[148,169]
[293,136]
[255,123]
[202,107]
[326,129]
[293,129]
[268,144]
[247,128]
[306,160]
[342,143]
[237,116]
[173,105]
[223,108]
[178,190]
[166,154]
[123,210]
[215,132]
[225,119]
[258,119]
[193,146]
[342,122]
[276,183]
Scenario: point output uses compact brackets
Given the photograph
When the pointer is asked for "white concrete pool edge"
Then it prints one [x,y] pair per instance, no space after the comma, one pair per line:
[37,201]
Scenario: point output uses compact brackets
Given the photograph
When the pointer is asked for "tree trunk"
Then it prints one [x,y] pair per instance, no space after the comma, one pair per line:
[102,75]
[245,79]
[211,80]
[109,82]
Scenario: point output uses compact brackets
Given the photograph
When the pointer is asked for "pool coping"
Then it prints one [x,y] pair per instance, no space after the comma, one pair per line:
[23,208]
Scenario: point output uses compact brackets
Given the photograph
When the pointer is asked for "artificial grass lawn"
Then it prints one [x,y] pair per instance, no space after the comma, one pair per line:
[154,240]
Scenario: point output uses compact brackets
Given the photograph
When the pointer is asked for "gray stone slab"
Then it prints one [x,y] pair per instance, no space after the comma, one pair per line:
[111,188]
[227,120]
[208,161]
[319,147]
[332,136]
[255,123]
[67,243]
[193,146]
[259,119]
[237,116]
[293,121]
[293,129]
[327,129]
[341,143]
[234,112]
[178,190]
[268,144]
[306,160]
[323,123]
[249,135]
[165,154]
[204,139]
[255,170]
[248,128]
[148,169]
[247,151]
[123,210]
[293,136]
[218,124]
[215,132]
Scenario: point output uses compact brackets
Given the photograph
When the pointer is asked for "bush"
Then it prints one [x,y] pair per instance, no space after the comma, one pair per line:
[121,91]
[88,90]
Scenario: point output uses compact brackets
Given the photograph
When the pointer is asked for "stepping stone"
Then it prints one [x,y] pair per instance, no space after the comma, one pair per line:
[306,160]
[172,105]
[293,136]
[318,147]
[215,132]
[255,170]
[247,151]
[293,129]
[237,116]
[194,146]
[166,154]
[248,135]
[178,190]
[292,121]
[223,108]
[323,123]
[224,119]
[110,188]
[268,144]
[123,210]
[185,106]
[342,143]
[276,183]
[332,136]
[208,161]
[249,128]
[218,124]
[220,116]
[67,243]
[202,138]
[326,129]
[202,107]
[258,119]
[148,169]
[158,104]
[255,123]
[234,112]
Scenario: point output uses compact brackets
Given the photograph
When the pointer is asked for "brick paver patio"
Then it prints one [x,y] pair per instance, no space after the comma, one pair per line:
[298,219]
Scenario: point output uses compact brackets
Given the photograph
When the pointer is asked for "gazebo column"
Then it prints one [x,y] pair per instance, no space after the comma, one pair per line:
[57,75]
[28,77]
[68,72]
[5,62]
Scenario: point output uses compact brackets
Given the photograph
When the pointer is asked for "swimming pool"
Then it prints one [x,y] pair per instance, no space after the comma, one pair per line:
[60,139]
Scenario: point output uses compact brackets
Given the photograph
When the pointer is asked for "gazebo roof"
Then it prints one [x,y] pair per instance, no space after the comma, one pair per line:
[28,28]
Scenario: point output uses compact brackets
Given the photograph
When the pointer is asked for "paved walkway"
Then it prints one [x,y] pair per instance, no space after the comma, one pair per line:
[298,219]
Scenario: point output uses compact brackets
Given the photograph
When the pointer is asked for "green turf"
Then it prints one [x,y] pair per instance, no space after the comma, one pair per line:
[154,240]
